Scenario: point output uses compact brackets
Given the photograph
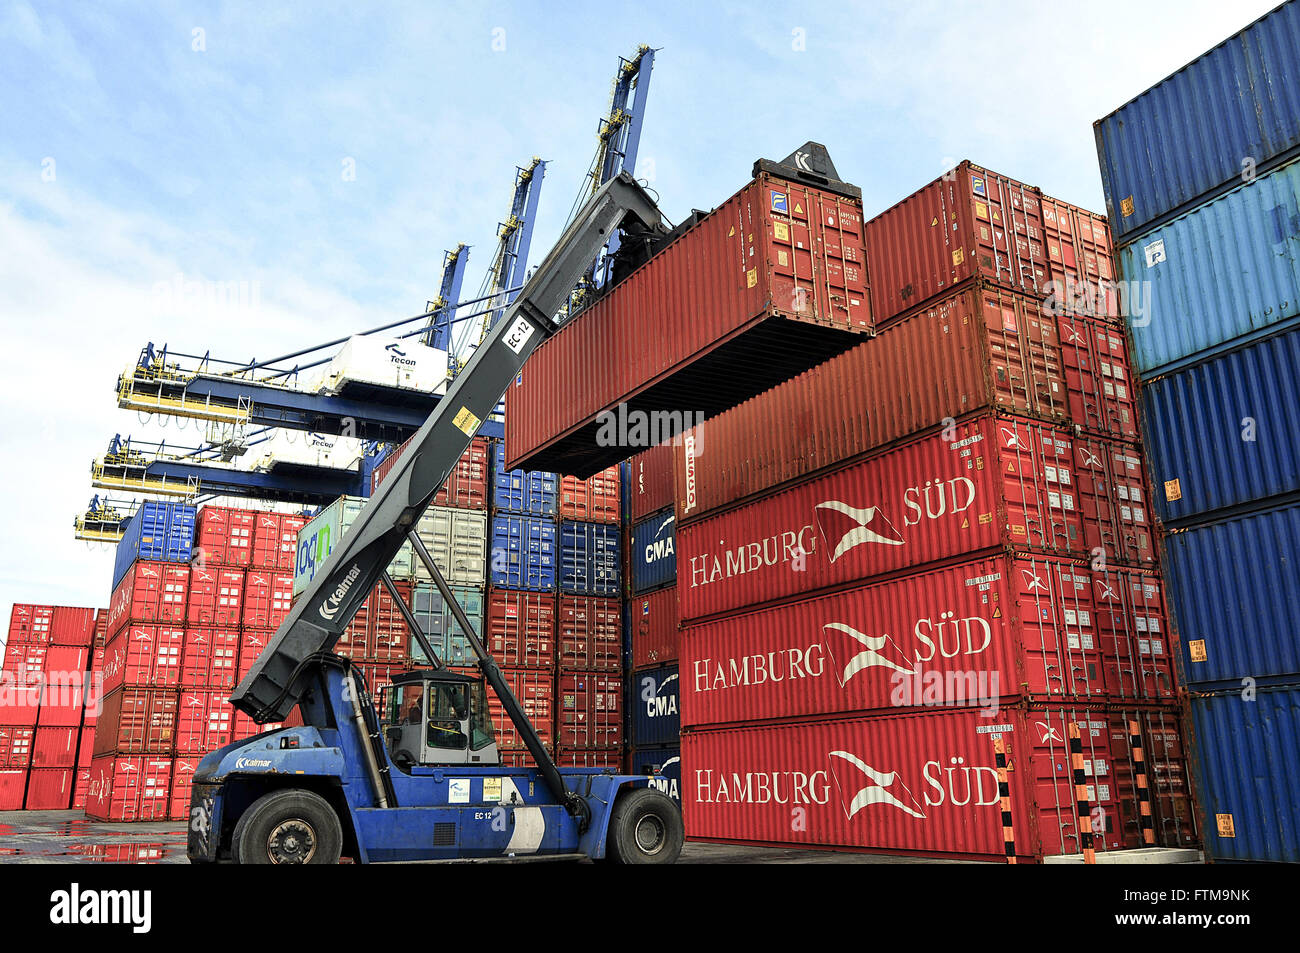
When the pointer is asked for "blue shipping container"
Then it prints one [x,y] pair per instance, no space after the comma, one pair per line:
[664,765]
[654,559]
[1227,271]
[523,552]
[1247,760]
[158,531]
[589,559]
[1232,586]
[656,714]
[530,492]
[1189,134]
[1223,433]
[437,622]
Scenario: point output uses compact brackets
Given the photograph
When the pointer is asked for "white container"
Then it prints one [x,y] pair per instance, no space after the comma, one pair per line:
[402,364]
[322,533]
[457,541]
[304,448]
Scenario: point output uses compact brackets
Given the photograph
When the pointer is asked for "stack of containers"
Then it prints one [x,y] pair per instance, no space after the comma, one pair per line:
[47,706]
[652,686]
[942,544]
[178,637]
[1208,223]
[589,623]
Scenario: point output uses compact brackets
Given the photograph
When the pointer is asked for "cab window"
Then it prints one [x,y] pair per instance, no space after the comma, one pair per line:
[480,727]
[448,707]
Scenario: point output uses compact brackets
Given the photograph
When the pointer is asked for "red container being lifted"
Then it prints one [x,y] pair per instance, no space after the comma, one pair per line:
[981,634]
[993,482]
[968,223]
[654,622]
[980,348]
[770,283]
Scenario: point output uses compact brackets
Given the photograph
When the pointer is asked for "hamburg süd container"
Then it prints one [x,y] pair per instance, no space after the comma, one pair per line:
[980,348]
[144,656]
[1247,757]
[129,788]
[968,223]
[769,284]
[466,485]
[981,634]
[54,747]
[653,558]
[653,696]
[1231,585]
[590,562]
[914,782]
[154,592]
[524,552]
[992,482]
[1137,643]
[29,623]
[653,628]
[210,658]
[216,596]
[204,721]
[520,628]
[1102,390]
[1222,433]
[50,789]
[1080,260]
[224,536]
[72,626]
[268,596]
[157,531]
[535,690]
[275,541]
[16,746]
[526,492]
[1113,494]
[1230,110]
[137,721]
[589,633]
[13,784]
[1222,274]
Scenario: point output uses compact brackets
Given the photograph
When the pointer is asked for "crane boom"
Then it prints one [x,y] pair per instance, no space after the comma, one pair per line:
[319,617]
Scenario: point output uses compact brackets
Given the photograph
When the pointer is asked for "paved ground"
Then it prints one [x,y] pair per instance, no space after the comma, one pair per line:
[67,837]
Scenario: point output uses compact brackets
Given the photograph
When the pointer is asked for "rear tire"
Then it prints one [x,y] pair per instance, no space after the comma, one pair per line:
[645,827]
[288,827]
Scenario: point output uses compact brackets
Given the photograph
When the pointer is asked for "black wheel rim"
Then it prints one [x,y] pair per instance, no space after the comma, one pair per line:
[650,834]
[291,842]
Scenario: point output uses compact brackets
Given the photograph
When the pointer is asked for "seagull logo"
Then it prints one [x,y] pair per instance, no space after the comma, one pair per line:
[1107,592]
[877,789]
[195,700]
[869,656]
[1049,733]
[1089,458]
[142,635]
[1033,580]
[1071,332]
[872,526]
[1012,438]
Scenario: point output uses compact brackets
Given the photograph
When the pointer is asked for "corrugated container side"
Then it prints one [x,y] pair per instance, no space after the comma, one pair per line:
[992,482]
[1226,270]
[1222,433]
[651,481]
[13,783]
[1113,494]
[137,720]
[767,285]
[1103,393]
[16,746]
[1191,132]
[977,349]
[71,625]
[653,622]
[524,552]
[163,532]
[521,628]
[50,789]
[150,592]
[144,656]
[1138,645]
[210,658]
[654,557]
[589,559]
[527,492]
[1232,587]
[968,223]
[1080,261]
[466,485]
[590,710]
[654,697]
[1247,757]
[589,633]
[595,499]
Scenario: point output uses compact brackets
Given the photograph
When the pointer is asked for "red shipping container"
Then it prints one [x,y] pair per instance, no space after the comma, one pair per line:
[50,789]
[245,727]
[55,747]
[1137,645]
[19,702]
[29,623]
[980,348]
[216,597]
[655,623]
[86,747]
[994,481]
[101,627]
[1113,495]
[968,223]
[1160,729]
[251,644]
[1102,389]
[651,477]
[81,790]
[769,284]
[144,656]
[204,721]
[275,541]
[590,634]
[521,628]
[388,636]
[979,634]
[181,783]
[211,658]
[466,485]
[1080,267]
[911,783]
[129,788]
[149,592]
[377,676]
[72,626]
[13,784]
[591,710]
[268,597]
[224,537]
[594,500]
[16,746]
[65,682]
[137,721]
[25,663]
[535,691]
[95,701]
[610,758]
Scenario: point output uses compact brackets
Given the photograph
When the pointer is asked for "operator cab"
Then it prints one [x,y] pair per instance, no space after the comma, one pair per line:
[438,717]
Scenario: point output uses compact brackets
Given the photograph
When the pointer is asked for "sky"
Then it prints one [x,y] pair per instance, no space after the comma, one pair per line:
[327,153]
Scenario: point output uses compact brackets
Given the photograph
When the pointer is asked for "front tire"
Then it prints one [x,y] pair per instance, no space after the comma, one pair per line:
[645,827]
[288,827]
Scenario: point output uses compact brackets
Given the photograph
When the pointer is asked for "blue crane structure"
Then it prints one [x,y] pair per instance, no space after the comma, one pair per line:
[443,308]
